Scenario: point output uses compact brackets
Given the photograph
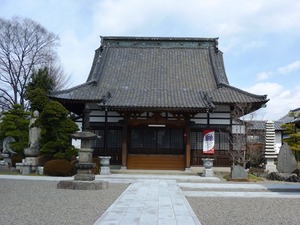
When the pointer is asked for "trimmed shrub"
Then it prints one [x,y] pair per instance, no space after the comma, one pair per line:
[42,159]
[59,167]
[97,166]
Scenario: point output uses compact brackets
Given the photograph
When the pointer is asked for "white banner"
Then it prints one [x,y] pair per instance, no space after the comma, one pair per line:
[208,142]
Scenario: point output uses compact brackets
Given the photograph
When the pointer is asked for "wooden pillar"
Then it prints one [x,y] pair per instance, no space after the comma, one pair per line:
[124,147]
[187,149]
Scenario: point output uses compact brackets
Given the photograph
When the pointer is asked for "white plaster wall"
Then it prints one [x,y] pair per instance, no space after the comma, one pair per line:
[77,143]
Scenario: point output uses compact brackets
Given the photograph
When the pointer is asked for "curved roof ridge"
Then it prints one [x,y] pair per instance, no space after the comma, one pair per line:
[141,38]
[242,91]
[74,88]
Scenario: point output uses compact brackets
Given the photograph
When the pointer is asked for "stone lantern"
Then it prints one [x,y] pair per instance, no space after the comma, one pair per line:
[208,164]
[85,164]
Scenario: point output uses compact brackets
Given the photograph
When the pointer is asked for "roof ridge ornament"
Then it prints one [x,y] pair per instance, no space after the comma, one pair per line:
[216,45]
[207,100]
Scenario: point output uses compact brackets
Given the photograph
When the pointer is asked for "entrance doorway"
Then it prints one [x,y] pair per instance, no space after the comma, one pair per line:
[156,148]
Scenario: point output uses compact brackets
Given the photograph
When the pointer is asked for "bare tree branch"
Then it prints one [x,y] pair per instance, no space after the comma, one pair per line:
[24,46]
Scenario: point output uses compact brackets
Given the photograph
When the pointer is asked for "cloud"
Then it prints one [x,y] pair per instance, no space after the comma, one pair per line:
[281,101]
[283,70]
[292,67]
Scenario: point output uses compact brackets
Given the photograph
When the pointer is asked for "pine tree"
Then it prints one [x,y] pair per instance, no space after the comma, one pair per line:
[293,139]
[56,129]
[37,90]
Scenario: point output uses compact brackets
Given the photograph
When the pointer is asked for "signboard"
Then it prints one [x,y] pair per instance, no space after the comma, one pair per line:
[208,142]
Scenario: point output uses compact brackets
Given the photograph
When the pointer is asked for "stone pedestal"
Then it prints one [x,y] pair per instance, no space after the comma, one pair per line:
[40,170]
[270,165]
[104,163]
[85,165]
[208,164]
[28,165]
[208,173]
[4,165]
[6,159]
[82,185]
[26,169]
[187,170]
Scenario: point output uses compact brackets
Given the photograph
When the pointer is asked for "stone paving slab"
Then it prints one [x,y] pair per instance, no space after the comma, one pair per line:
[150,201]
[182,178]
[242,194]
[245,190]
[241,186]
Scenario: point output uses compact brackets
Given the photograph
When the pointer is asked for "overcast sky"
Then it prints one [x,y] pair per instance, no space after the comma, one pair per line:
[259,38]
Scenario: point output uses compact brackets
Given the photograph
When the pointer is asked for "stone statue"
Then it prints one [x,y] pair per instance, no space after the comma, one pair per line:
[34,136]
[6,145]
[7,152]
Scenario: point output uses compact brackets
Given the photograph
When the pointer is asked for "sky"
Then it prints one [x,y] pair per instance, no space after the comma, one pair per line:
[259,38]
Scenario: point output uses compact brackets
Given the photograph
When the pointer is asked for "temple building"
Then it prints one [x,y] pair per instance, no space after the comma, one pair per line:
[152,99]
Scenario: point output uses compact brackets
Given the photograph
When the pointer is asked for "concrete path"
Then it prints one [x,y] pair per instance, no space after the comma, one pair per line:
[150,201]
[242,190]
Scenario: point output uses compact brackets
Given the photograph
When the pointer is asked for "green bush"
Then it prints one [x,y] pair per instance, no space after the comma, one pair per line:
[59,167]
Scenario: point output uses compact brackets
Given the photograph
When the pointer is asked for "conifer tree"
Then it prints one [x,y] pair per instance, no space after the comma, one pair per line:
[15,123]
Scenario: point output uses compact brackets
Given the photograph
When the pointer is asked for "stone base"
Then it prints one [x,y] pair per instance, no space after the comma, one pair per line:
[4,165]
[208,173]
[123,168]
[82,185]
[30,162]
[271,168]
[26,169]
[187,170]
[105,170]
[84,177]
[40,170]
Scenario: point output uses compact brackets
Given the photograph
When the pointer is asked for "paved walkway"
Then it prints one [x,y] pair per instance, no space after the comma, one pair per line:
[150,201]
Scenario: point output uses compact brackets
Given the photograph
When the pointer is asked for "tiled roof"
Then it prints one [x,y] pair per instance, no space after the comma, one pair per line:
[158,73]
[261,125]
[288,118]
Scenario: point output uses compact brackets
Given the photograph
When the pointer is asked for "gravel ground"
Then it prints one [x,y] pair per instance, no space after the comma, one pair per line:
[39,202]
[239,211]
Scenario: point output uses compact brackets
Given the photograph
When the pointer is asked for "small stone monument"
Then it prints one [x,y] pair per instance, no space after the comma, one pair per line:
[238,173]
[286,161]
[208,164]
[270,153]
